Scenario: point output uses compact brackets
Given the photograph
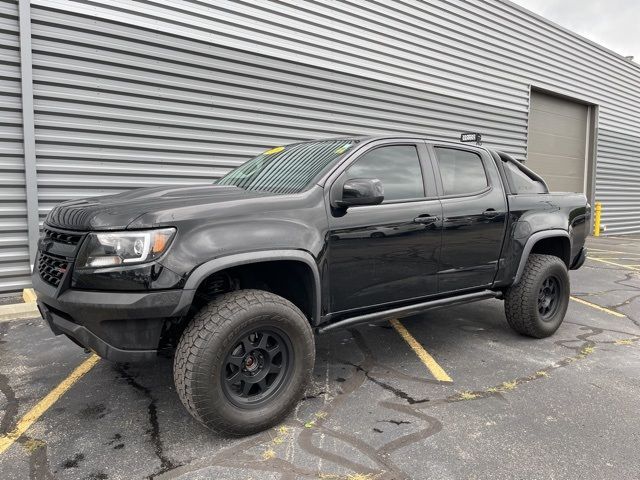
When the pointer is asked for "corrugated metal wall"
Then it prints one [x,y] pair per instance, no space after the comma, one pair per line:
[618,178]
[14,250]
[119,106]
[139,93]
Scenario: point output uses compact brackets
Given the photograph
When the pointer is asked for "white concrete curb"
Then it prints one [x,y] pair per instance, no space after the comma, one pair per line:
[16,311]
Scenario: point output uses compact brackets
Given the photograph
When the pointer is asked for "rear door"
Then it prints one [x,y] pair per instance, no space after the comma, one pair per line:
[474,213]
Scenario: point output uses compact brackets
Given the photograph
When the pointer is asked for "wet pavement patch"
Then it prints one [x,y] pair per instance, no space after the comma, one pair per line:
[562,407]
[73,462]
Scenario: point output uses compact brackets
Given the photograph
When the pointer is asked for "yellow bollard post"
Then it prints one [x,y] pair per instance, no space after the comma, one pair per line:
[596,221]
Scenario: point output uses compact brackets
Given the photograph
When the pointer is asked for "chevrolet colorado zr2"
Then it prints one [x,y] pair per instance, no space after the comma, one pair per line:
[234,278]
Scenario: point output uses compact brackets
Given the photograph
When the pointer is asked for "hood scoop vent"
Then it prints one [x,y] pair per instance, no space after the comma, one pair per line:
[71,217]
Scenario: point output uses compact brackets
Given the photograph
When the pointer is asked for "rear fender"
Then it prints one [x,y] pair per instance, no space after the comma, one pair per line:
[531,241]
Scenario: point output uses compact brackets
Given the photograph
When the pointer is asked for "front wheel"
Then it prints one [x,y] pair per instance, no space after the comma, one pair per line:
[537,304]
[243,361]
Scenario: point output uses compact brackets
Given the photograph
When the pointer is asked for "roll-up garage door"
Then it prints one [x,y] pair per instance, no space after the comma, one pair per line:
[557,141]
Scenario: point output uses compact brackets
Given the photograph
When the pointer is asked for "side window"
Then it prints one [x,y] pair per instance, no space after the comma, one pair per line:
[461,170]
[396,166]
[521,182]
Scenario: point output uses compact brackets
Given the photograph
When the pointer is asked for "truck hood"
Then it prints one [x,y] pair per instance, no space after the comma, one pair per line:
[116,212]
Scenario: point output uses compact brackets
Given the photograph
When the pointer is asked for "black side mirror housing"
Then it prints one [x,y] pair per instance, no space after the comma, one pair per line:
[360,191]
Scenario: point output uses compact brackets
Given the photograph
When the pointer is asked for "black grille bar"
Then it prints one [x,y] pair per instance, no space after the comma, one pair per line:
[62,237]
[51,268]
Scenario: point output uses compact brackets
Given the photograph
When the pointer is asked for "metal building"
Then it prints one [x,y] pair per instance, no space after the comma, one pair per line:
[102,96]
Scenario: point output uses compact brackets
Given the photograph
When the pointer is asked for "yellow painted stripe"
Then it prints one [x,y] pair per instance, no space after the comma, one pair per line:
[614,263]
[598,307]
[29,295]
[633,259]
[606,252]
[435,369]
[43,405]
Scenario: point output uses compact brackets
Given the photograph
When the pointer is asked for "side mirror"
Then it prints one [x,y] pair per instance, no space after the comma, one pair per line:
[360,191]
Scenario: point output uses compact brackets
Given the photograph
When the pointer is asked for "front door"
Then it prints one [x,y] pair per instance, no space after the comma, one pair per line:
[379,254]
[474,215]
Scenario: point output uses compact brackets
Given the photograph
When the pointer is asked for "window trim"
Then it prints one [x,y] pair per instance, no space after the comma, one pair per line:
[429,184]
[436,166]
[506,183]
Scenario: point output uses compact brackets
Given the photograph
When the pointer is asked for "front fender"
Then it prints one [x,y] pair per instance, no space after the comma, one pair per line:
[218,264]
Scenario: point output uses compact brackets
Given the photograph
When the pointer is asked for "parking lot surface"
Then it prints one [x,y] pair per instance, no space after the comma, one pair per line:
[563,407]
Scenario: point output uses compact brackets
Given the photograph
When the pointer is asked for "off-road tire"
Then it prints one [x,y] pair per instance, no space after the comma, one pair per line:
[521,300]
[203,351]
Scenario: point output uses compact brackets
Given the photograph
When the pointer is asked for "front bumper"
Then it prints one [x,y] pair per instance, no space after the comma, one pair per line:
[119,326]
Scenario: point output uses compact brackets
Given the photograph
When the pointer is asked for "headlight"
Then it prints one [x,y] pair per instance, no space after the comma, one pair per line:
[111,249]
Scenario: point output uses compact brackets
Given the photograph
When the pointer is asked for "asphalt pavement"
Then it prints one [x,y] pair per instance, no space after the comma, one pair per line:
[565,407]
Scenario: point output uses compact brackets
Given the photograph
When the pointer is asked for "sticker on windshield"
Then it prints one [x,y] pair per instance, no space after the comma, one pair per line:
[343,148]
[273,150]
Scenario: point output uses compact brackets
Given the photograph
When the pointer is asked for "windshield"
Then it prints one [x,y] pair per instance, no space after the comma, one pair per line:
[288,169]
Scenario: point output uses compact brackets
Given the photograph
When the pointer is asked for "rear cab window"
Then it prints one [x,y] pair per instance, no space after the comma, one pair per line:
[462,171]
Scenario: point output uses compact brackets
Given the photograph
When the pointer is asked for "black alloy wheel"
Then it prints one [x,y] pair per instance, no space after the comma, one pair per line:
[548,298]
[255,367]
[243,361]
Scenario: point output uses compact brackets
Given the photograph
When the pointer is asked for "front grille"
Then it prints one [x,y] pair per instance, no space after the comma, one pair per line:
[62,237]
[52,269]
[58,249]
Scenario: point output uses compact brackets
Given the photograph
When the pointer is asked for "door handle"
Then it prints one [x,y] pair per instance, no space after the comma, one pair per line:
[425,219]
[490,213]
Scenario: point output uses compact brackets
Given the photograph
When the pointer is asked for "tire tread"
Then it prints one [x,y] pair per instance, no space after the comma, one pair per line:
[519,309]
[214,320]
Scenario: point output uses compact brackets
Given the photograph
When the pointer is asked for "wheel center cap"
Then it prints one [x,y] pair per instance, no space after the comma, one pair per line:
[251,363]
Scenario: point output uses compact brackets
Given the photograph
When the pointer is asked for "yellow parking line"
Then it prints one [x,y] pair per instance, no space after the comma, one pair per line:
[598,307]
[633,259]
[436,370]
[43,405]
[614,263]
[615,252]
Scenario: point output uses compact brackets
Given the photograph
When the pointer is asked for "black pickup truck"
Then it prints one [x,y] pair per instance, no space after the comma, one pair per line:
[234,278]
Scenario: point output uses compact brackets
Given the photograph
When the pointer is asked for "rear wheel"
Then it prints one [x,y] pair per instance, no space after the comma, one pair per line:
[537,304]
[244,361]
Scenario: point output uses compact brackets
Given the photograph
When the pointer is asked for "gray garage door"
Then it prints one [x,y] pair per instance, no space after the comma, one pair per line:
[557,141]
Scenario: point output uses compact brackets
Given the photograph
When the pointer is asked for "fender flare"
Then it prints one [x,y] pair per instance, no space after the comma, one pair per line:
[221,263]
[531,241]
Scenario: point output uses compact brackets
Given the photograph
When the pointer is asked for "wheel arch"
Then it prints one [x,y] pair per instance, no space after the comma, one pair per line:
[551,242]
[207,269]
